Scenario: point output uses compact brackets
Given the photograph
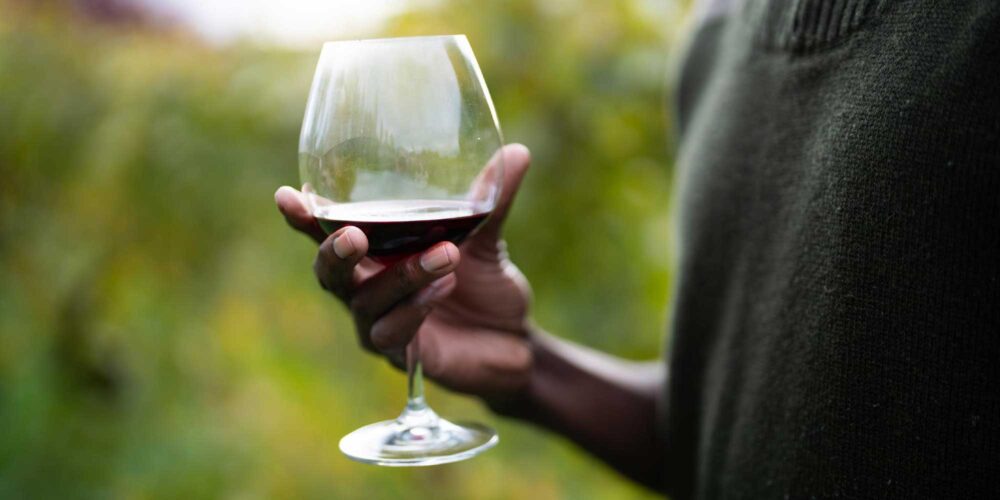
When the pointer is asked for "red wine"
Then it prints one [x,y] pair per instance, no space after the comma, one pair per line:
[396,229]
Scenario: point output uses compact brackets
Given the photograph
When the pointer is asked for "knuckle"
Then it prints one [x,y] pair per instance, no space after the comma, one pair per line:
[322,262]
[328,256]
[381,341]
[360,306]
[319,270]
[364,337]
[325,251]
[407,273]
[520,360]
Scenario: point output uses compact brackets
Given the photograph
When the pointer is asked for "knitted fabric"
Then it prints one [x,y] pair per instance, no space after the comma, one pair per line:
[836,325]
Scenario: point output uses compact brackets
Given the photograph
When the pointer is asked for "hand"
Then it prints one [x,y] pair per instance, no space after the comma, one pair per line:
[469,304]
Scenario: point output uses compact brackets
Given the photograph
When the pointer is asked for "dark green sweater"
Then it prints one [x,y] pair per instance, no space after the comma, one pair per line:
[836,330]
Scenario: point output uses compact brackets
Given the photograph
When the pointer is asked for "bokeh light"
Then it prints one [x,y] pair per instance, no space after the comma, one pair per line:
[162,333]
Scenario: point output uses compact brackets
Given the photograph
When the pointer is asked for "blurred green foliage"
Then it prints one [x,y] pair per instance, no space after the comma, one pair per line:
[162,333]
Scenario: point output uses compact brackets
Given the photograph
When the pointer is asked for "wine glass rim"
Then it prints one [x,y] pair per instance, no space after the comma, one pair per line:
[395,39]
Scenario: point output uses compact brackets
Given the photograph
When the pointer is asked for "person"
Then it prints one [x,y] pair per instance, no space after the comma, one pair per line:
[836,314]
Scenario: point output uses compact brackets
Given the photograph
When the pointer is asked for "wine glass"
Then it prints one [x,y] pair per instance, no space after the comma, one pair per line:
[400,139]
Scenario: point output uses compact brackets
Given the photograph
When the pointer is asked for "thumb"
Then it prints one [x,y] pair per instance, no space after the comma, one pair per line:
[516,159]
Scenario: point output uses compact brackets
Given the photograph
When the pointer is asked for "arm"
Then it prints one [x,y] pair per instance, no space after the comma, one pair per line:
[606,405]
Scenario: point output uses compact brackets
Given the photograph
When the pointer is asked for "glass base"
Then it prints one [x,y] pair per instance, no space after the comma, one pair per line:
[393,443]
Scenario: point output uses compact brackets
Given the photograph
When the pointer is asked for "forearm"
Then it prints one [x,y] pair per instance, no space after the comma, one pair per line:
[606,405]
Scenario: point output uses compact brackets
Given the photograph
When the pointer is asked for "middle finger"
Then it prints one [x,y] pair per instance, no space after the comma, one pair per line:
[377,295]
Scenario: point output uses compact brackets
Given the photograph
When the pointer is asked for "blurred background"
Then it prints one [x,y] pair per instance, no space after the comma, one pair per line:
[162,333]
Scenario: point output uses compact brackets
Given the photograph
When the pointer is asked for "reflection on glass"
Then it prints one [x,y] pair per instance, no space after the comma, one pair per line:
[400,139]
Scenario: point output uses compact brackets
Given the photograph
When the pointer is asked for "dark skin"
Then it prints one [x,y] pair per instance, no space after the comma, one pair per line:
[470,306]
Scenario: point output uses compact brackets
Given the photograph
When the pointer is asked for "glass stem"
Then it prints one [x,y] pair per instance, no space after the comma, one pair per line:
[415,377]
[419,420]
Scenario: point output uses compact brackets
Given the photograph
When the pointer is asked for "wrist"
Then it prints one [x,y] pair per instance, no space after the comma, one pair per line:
[522,402]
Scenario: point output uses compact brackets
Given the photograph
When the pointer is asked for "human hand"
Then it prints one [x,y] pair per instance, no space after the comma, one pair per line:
[469,304]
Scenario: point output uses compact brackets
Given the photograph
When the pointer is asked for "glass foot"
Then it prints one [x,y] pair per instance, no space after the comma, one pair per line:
[393,443]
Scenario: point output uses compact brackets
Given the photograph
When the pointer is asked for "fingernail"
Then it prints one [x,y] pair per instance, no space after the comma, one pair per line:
[435,260]
[344,245]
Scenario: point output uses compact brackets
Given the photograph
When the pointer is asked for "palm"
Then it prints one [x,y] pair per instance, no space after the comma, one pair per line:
[474,340]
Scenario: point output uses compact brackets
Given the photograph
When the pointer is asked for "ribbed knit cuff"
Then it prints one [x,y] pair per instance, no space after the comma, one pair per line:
[808,25]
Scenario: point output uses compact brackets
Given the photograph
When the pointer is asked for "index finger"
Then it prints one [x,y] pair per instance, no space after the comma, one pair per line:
[337,263]
[292,205]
